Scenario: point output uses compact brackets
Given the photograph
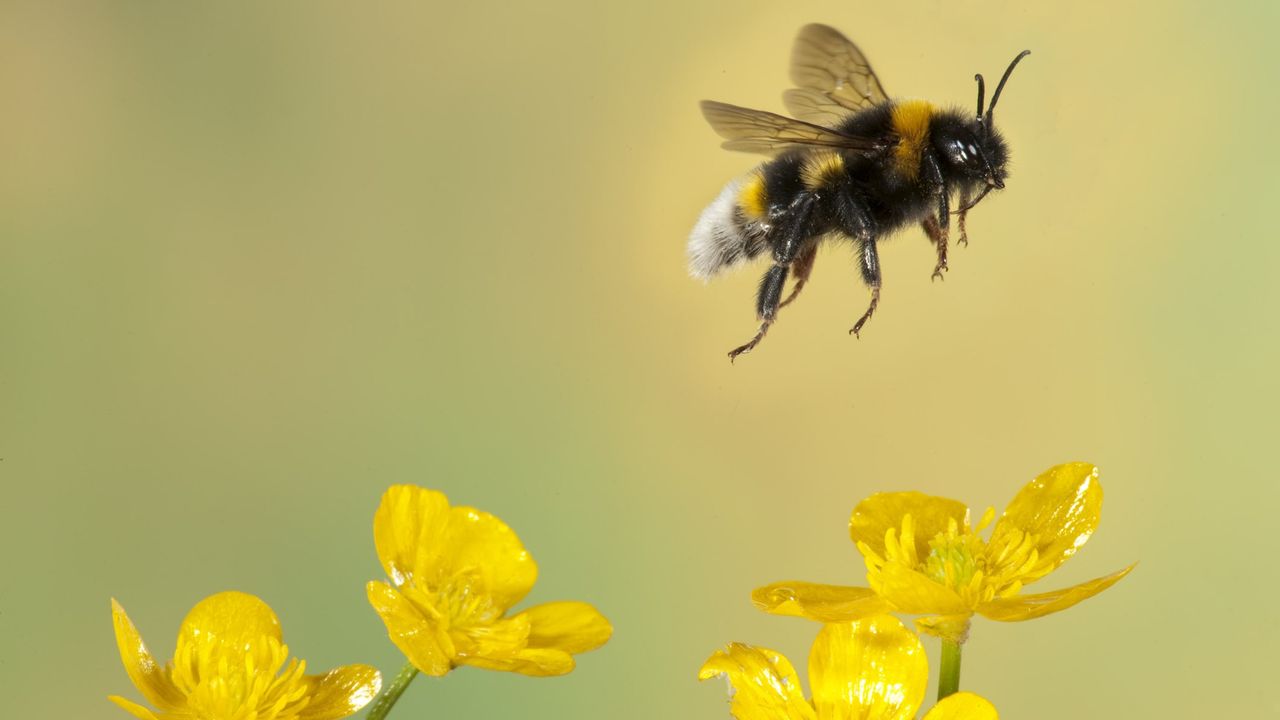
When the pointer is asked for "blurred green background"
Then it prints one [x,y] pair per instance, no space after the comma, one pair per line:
[260,260]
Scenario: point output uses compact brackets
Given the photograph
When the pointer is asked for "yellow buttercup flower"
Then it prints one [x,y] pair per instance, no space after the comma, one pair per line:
[924,558]
[230,664]
[870,669]
[455,572]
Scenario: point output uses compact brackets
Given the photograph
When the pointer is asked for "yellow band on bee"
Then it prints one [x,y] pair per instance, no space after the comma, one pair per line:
[821,169]
[752,198]
[911,122]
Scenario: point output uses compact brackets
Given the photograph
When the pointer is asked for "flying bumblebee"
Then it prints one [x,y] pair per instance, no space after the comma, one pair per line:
[854,164]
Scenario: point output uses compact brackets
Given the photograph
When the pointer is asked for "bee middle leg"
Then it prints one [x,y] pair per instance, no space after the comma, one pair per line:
[939,240]
[871,274]
[792,233]
[855,221]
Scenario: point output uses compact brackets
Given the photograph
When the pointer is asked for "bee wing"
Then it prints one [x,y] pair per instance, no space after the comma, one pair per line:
[833,77]
[768,133]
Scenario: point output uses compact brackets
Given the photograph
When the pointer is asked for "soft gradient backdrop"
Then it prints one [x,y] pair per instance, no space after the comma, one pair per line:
[260,260]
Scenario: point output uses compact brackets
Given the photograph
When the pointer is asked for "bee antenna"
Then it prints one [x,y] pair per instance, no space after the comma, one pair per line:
[995,97]
[982,91]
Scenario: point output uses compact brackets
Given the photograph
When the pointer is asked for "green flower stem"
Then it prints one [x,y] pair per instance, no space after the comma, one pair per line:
[391,693]
[949,676]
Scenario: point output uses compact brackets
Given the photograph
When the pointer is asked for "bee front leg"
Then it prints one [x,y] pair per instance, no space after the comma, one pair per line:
[792,233]
[961,216]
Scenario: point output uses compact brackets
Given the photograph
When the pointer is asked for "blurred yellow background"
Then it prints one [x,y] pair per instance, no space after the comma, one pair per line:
[260,260]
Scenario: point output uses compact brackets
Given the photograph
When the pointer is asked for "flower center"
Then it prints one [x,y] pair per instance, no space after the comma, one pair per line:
[459,600]
[253,681]
[954,559]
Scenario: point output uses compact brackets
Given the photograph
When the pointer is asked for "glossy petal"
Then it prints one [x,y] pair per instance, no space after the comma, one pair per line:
[963,706]
[235,619]
[538,662]
[340,692]
[571,627]
[912,592]
[417,636]
[147,675]
[872,668]
[824,603]
[133,708]
[764,684]
[1029,607]
[878,514]
[417,533]
[1060,508]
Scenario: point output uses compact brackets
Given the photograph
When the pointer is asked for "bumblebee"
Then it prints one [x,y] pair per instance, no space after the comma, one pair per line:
[851,164]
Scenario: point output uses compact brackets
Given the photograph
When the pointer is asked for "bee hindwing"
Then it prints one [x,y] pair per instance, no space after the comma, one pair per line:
[724,237]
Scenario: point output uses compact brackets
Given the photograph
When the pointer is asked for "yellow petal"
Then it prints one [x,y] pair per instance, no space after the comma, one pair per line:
[824,603]
[963,706]
[133,708]
[147,675]
[763,683]
[913,592]
[417,534]
[573,627]
[878,514]
[234,619]
[538,662]
[871,668]
[417,636]
[340,692]
[1060,509]
[1029,607]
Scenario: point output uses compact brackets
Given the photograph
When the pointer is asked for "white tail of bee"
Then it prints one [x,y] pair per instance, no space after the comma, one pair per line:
[722,239]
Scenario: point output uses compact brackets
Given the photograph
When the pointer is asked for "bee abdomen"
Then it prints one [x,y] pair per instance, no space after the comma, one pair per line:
[731,230]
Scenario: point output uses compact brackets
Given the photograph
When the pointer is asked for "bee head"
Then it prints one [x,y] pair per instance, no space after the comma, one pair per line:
[978,152]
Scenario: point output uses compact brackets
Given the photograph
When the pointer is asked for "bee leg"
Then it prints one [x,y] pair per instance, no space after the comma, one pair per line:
[871,274]
[939,240]
[801,267]
[792,233]
[766,305]
[961,217]
[942,221]
[855,220]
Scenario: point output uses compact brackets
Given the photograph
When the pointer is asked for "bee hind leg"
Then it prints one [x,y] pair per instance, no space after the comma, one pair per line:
[770,290]
[792,235]
[801,267]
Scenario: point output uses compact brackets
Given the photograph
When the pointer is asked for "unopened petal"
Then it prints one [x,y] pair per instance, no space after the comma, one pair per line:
[963,706]
[824,603]
[233,619]
[882,512]
[417,636]
[1029,607]
[871,668]
[1060,509]
[340,692]
[573,627]
[418,534]
[132,708]
[763,683]
[147,675]
[409,528]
